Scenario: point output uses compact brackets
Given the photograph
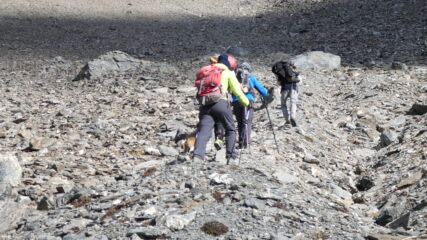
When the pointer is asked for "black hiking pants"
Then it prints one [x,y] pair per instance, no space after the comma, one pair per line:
[218,112]
[244,123]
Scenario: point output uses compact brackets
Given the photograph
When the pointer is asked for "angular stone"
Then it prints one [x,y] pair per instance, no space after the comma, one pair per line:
[11,213]
[402,221]
[162,90]
[397,122]
[73,236]
[10,170]
[284,176]
[2,133]
[308,158]
[168,151]
[150,212]
[390,212]
[152,151]
[37,144]
[177,222]
[76,225]
[418,109]
[253,203]
[338,191]
[217,178]
[364,152]
[45,204]
[412,179]
[388,137]
[149,232]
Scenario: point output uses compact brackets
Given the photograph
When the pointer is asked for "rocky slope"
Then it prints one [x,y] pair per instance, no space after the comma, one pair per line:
[98,158]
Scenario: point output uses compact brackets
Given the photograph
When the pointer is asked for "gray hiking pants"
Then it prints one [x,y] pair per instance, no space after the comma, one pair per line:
[292,95]
[218,112]
[244,123]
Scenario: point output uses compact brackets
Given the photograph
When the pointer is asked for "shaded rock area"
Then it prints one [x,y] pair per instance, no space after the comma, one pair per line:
[103,157]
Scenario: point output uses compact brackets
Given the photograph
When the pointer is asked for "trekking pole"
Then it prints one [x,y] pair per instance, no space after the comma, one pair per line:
[272,128]
[247,131]
[244,134]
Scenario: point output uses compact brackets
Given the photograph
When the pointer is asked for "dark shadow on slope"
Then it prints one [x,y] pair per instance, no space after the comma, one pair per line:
[351,29]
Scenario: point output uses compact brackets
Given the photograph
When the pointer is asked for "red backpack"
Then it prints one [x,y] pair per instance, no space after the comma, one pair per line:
[208,83]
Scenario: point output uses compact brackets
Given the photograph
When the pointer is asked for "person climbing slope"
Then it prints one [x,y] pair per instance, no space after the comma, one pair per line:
[288,77]
[213,83]
[244,114]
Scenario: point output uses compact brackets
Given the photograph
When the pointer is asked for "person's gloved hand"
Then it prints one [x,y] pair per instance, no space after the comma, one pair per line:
[251,105]
[265,100]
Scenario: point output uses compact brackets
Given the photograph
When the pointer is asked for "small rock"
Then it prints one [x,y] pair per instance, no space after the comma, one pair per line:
[152,151]
[418,109]
[76,225]
[253,203]
[149,232]
[168,151]
[388,137]
[2,133]
[177,222]
[308,158]
[217,178]
[45,204]
[397,122]
[163,90]
[37,144]
[284,176]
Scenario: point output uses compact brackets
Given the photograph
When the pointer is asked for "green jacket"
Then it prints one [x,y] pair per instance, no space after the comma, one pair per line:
[230,84]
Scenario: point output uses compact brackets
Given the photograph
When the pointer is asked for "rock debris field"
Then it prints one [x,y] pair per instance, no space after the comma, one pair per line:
[95,104]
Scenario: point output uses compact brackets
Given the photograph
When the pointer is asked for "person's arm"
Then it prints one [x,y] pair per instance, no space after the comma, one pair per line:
[259,87]
[236,89]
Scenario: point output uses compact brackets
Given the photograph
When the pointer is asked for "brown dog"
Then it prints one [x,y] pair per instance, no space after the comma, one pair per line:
[190,140]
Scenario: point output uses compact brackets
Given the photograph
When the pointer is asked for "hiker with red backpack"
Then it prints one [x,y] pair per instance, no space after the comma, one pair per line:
[243,114]
[288,77]
[213,83]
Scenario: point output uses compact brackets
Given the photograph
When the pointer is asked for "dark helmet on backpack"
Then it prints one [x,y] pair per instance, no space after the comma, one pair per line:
[228,61]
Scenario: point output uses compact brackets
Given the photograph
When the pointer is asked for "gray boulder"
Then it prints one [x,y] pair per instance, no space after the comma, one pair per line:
[111,62]
[316,60]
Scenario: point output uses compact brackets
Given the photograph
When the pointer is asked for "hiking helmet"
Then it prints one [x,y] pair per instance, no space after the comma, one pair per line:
[228,61]
[245,66]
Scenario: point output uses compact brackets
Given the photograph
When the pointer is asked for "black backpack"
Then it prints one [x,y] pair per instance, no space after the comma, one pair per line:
[286,72]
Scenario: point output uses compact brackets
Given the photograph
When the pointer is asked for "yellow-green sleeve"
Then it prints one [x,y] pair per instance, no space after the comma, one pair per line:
[236,90]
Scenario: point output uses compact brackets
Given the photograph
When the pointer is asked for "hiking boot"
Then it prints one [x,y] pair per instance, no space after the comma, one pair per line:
[218,144]
[231,161]
[293,122]
[197,159]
